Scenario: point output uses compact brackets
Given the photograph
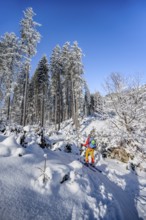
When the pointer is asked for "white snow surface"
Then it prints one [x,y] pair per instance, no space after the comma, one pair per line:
[114,194]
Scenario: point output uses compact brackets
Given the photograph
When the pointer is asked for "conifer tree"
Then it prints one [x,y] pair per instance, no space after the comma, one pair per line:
[17,101]
[98,103]
[29,39]
[77,81]
[87,100]
[31,105]
[41,84]
[56,81]
[10,67]
[67,92]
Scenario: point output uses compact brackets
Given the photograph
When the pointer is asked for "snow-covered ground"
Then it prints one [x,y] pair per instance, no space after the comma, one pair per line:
[31,190]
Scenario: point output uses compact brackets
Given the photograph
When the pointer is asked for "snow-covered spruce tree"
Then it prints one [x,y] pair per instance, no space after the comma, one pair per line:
[18,98]
[2,67]
[92,108]
[17,101]
[98,103]
[10,67]
[29,40]
[2,70]
[56,85]
[73,82]
[126,101]
[31,104]
[21,88]
[1,56]
[67,83]
[34,83]
[87,100]
[41,87]
[77,82]
[66,91]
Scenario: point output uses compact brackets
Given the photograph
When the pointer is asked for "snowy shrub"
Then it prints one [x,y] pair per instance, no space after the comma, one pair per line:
[45,172]
[67,148]
[9,147]
[20,152]
[2,127]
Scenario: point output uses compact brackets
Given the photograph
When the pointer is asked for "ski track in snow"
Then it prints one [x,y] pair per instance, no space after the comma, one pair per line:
[124,202]
[96,199]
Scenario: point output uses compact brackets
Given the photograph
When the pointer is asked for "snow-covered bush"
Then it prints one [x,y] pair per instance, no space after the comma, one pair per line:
[46,174]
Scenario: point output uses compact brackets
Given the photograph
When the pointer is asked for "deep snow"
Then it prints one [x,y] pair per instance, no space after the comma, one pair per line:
[115,194]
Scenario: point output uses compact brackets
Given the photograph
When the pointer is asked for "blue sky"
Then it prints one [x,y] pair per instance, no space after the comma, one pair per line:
[111,33]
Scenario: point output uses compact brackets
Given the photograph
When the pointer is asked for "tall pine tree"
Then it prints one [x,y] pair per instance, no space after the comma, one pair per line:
[29,40]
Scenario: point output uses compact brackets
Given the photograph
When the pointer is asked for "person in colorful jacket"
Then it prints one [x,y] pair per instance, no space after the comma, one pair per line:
[90,144]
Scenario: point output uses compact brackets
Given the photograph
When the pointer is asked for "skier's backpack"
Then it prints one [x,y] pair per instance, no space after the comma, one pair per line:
[92,143]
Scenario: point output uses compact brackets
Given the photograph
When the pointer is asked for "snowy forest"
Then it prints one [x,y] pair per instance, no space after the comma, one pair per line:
[46,116]
[57,90]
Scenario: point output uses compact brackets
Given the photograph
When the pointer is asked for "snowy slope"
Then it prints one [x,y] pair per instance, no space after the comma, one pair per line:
[114,194]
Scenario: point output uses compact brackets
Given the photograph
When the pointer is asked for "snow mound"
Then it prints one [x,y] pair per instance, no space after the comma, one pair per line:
[19,152]
[27,128]
[35,150]
[9,147]
[76,165]
[10,141]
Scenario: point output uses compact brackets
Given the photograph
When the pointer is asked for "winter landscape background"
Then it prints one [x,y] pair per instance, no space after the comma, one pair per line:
[45,116]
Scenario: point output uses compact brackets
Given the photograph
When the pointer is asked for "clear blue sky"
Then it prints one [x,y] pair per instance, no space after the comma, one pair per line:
[111,33]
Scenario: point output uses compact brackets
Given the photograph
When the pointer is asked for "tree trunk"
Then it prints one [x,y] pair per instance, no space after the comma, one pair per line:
[76,113]
[59,101]
[55,111]
[25,95]
[8,110]
[22,104]
[73,105]
[42,110]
